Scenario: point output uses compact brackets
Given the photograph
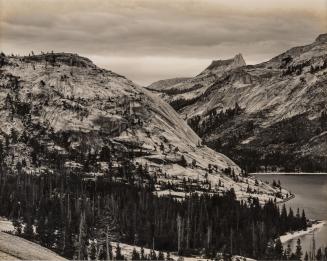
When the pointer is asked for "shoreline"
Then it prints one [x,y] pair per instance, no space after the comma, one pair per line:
[292,235]
[288,173]
[284,200]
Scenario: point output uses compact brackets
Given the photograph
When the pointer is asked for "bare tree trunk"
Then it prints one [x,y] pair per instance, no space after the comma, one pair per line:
[179,232]
[209,232]
[253,241]
[231,242]
[107,243]
[80,237]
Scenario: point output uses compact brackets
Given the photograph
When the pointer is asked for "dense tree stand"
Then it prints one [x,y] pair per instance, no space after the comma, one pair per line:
[80,218]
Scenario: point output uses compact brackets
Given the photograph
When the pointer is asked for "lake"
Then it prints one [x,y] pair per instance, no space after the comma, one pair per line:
[311,195]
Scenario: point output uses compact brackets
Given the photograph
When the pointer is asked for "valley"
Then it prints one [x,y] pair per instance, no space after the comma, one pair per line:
[266,117]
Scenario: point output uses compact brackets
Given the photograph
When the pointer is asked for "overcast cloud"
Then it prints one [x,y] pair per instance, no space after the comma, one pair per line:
[158,39]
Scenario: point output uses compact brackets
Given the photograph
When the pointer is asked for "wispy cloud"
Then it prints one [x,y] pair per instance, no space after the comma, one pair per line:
[149,40]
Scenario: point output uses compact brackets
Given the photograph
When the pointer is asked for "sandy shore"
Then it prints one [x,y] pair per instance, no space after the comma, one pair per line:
[127,250]
[291,235]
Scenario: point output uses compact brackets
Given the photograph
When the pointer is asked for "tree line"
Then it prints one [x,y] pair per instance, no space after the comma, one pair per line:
[213,119]
[71,215]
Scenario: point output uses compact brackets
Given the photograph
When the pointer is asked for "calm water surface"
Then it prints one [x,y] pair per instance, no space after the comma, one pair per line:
[311,195]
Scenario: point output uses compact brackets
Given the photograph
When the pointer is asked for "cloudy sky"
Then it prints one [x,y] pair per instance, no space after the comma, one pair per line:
[149,40]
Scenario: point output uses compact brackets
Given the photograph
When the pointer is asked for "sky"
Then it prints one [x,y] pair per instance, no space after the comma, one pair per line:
[150,40]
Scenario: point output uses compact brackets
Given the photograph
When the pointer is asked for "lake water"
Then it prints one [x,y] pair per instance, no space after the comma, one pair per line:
[311,195]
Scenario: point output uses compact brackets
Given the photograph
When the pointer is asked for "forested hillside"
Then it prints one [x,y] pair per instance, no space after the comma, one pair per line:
[266,117]
[78,218]
[61,111]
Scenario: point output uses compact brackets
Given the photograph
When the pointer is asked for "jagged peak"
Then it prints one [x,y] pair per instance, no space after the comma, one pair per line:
[236,61]
[239,60]
[321,38]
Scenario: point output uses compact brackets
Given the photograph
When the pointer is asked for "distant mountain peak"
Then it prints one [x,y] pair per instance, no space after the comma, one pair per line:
[239,60]
[322,38]
[236,61]
[281,95]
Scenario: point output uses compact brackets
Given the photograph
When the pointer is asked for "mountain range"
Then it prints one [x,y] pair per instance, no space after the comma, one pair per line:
[266,117]
[60,112]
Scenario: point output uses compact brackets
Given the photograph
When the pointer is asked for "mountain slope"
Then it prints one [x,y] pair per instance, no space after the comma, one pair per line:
[17,248]
[27,250]
[160,85]
[272,114]
[60,111]
[187,92]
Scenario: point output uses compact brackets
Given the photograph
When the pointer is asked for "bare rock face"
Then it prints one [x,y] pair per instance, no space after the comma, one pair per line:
[217,67]
[322,38]
[189,91]
[235,62]
[239,60]
[160,85]
[60,111]
[286,94]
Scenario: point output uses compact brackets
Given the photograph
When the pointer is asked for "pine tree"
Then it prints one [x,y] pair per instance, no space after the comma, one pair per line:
[179,233]
[193,163]
[298,251]
[14,135]
[288,251]
[303,220]
[183,161]
[284,224]
[270,251]
[143,257]
[28,228]
[279,249]
[102,253]
[2,154]
[254,241]
[119,255]
[68,248]
[18,226]
[82,237]
[162,147]
[108,251]
[297,213]
[161,256]
[135,255]
[319,255]
[93,251]
[284,255]
[40,226]
[153,255]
